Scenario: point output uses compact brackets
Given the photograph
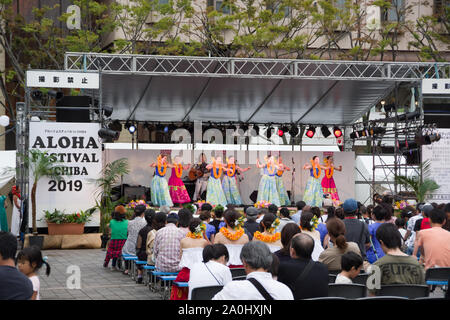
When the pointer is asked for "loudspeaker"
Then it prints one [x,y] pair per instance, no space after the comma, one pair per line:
[134,193]
[75,115]
[254,196]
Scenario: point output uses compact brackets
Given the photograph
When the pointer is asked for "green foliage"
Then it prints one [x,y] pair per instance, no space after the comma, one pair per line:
[60,217]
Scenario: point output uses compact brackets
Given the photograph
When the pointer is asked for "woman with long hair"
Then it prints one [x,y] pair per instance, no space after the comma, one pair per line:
[282,193]
[177,189]
[229,185]
[289,230]
[214,190]
[267,190]
[328,184]
[160,194]
[332,255]
[313,195]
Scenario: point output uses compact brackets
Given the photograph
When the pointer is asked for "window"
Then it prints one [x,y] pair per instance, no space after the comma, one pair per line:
[219,6]
[163,1]
[439,6]
[275,8]
[395,13]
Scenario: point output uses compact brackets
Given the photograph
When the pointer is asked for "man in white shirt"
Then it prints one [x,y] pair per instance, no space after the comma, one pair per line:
[257,260]
[284,219]
[410,233]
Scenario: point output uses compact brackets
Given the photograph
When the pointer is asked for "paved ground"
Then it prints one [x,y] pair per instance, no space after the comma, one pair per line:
[97,283]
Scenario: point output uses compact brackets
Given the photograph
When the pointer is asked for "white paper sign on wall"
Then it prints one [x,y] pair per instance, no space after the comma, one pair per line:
[59,79]
[79,148]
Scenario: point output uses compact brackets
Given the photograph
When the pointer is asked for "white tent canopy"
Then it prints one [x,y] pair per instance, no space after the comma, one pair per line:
[7,165]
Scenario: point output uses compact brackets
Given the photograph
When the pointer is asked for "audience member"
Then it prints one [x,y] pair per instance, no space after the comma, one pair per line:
[340,213]
[267,233]
[321,227]
[273,209]
[217,215]
[284,219]
[141,247]
[259,285]
[134,226]
[410,233]
[374,252]
[396,267]
[434,242]
[400,223]
[184,218]
[250,225]
[296,216]
[119,233]
[212,271]
[356,231]
[275,266]
[306,278]
[308,226]
[446,226]
[424,222]
[351,264]
[388,204]
[331,257]
[159,222]
[205,217]
[287,233]
[29,261]
[14,285]
[166,247]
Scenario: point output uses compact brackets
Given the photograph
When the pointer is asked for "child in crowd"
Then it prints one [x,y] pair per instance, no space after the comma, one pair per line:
[29,261]
[351,264]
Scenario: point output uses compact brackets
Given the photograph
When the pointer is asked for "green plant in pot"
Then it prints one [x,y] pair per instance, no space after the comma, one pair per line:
[40,165]
[420,187]
[111,174]
[60,223]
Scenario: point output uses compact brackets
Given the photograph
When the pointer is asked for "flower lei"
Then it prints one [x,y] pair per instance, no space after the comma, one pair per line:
[274,225]
[272,169]
[198,233]
[219,174]
[163,173]
[262,204]
[132,204]
[314,170]
[179,170]
[266,238]
[329,173]
[313,223]
[232,236]
[234,169]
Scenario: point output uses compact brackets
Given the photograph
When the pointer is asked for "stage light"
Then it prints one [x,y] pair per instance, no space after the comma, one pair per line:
[293,131]
[325,131]
[36,95]
[58,95]
[106,133]
[337,132]
[269,132]
[4,121]
[310,132]
[244,127]
[280,132]
[354,135]
[131,127]
[256,128]
[166,129]
[389,107]
[107,111]
[115,125]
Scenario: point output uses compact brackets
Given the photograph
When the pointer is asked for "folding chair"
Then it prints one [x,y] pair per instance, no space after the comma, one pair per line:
[205,293]
[349,291]
[410,291]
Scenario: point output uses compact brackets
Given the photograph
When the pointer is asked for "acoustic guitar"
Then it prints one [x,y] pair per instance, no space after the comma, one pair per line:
[194,174]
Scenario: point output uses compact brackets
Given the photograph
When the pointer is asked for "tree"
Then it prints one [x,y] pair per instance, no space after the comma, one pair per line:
[40,165]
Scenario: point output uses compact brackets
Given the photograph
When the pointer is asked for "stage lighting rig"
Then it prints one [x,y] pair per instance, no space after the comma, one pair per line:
[325,131]
[310,132]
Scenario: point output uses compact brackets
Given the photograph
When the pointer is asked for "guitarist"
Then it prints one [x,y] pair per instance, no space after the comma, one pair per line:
[202,181]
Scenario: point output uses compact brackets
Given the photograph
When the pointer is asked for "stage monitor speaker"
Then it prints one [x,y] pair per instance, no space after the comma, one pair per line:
[254,196]
[75,115]
[133,193]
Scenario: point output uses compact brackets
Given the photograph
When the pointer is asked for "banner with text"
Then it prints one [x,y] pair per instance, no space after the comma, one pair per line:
[78,148]
[438,153]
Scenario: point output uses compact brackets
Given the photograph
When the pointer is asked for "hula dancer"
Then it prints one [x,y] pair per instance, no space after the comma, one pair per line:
[328,185]
[282,193]
[160,194]
[313,191]
[229,185]
[214,191]
[177,189]
[267,190]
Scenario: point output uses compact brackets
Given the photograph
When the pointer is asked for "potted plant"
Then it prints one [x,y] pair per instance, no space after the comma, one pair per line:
[40,164]
[110,176]
[420,187]
[60,223]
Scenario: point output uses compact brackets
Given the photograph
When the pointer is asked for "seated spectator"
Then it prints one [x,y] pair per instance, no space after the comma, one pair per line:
[296,216]
[134,226]
[165,209]
[355,230]
[205,217]
[434,242]
[250,225]
[446,226]
[287,233]
[396,267]
[267,233]
[184,218]
[332,256]
[166,248]
[321,227]
[159,222]
[374,252]
[284,219]
[14,285]
[275,266]
[217,215]
[351,264]
[273,209]
[309,227]
[257,261]
[400,223]
[340,213]
[212,271]
[141,248]
[232,236]
[192,249]
[306,278]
